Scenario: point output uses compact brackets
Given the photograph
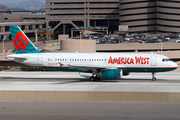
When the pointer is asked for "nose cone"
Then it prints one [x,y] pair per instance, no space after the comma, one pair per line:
[174,65]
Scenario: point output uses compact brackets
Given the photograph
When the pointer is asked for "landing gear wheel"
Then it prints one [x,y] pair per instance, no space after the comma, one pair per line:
[153,76]
[92,78]
[153,79]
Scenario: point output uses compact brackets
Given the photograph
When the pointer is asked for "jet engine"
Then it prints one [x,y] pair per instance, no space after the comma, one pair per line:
[110,74]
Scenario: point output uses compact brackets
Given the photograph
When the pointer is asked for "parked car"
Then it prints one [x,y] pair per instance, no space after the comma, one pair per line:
[114,40]
[173,36]
[161,39]
[136,37]
[132,41]
[127,39]
[152,41]
[103,42]
[178,35]
[139,41]
[177,41]
[167,38]
[144,39]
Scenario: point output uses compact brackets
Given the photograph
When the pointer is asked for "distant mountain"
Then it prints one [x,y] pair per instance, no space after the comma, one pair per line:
[33,4]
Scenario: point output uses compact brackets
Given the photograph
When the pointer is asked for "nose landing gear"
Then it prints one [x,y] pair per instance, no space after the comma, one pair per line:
[153,76]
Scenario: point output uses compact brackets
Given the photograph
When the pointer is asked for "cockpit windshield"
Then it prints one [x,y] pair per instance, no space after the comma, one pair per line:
[166,60]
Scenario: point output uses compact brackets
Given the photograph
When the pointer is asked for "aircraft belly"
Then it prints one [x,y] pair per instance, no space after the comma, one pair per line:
[66,69]
[147,69]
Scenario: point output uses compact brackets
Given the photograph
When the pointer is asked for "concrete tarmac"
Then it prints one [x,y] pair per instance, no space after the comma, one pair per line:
[64,81]
[87,110]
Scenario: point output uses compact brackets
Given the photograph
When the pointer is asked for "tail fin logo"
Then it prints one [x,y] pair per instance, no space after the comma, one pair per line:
[20,41]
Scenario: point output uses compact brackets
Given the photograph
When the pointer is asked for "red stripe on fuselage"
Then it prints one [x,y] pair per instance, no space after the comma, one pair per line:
[147,67]
[117,67]
[56,66]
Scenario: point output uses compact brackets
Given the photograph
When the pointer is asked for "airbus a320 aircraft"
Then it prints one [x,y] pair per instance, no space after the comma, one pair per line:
[101,65]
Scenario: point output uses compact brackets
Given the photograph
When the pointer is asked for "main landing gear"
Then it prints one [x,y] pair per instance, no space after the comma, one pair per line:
[153,76]
[93,77]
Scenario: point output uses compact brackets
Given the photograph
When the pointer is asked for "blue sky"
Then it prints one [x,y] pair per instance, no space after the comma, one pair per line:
[15,1]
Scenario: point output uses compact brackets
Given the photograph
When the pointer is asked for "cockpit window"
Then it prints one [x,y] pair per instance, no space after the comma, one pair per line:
[166,60]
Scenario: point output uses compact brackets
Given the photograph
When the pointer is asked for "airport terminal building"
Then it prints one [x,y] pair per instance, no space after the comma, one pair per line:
[108,16]
[150,15]
[140,16]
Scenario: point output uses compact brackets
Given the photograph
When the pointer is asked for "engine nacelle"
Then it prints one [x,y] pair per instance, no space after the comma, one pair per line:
[112,74]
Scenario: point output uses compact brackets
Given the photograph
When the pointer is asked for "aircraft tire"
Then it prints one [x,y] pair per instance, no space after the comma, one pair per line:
[92,79]
[153,79]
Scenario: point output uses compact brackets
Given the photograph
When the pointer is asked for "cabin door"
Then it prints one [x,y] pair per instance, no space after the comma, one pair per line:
[39,59]
[153,60]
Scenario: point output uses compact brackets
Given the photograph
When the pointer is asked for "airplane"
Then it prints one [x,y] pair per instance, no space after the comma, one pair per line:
[102,65]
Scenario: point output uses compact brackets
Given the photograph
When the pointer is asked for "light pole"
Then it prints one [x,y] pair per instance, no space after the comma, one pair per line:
[36,34]
[161,47]
[81,42]
[64,29]
[80,35]
[3,43]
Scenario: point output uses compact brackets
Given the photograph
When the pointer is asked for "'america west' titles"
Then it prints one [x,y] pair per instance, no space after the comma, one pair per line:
[128,60]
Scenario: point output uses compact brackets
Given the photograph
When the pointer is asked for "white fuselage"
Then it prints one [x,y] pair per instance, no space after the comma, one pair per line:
[102,60]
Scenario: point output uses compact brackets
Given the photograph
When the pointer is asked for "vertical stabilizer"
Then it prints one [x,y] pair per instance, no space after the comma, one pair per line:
[21,42]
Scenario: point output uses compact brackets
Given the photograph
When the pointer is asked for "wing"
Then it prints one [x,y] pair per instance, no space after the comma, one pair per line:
[92,67]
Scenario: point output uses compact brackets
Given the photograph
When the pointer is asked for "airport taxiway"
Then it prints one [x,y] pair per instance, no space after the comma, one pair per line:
[73,81]
[154,106]
[81,110]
